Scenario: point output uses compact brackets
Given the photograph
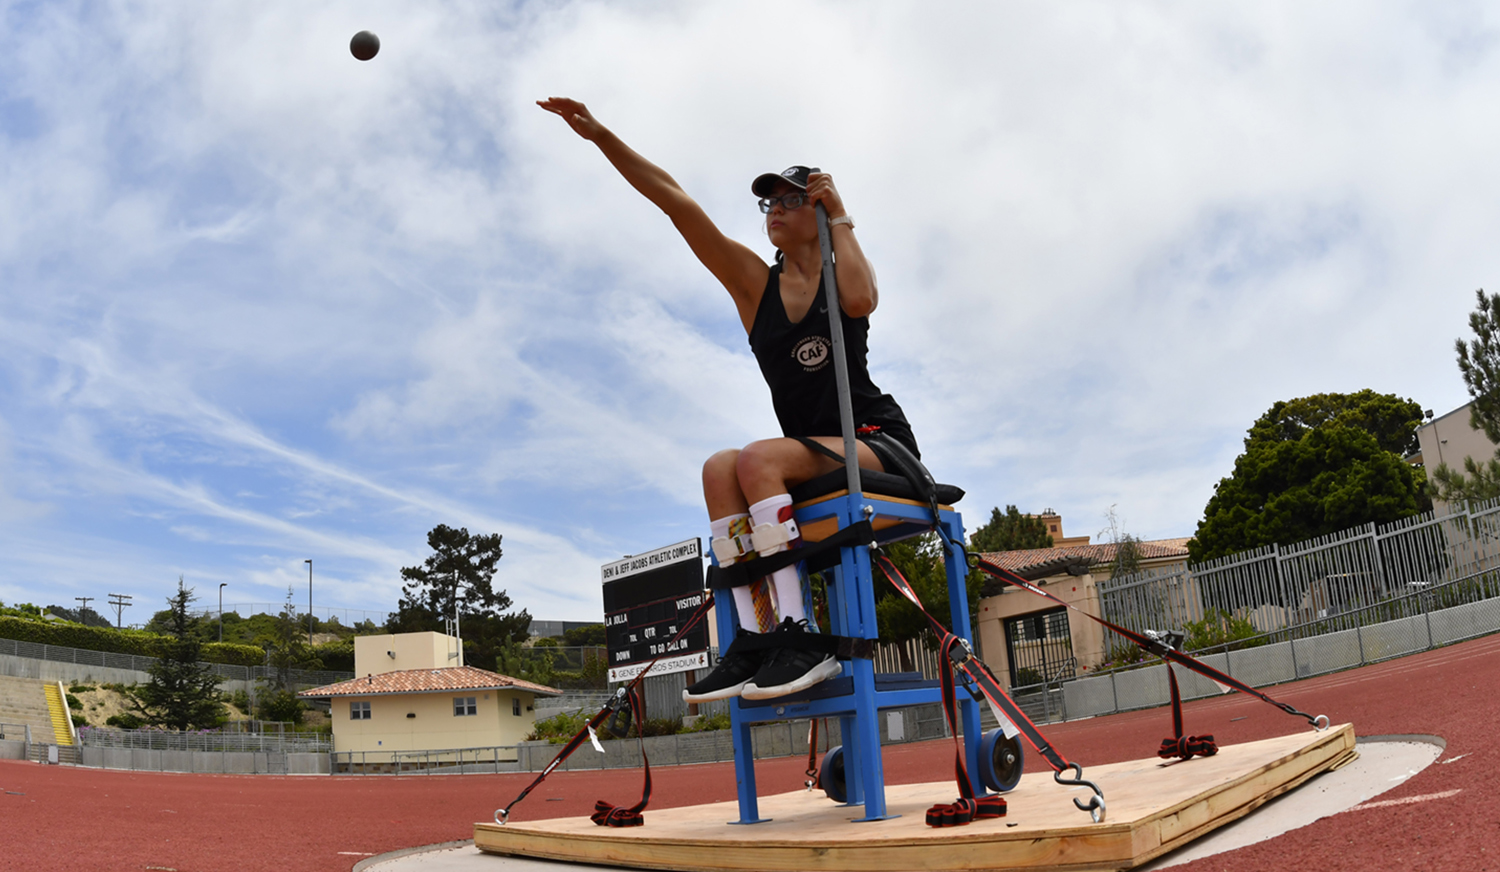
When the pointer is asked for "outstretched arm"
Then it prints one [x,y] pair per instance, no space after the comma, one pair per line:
[738,269]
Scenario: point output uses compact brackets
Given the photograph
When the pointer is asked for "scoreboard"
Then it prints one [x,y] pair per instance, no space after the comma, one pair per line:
[647,600]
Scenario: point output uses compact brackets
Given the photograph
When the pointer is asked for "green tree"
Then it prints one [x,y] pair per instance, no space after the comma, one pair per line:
[1390,419]
[182,693]
[592,634]
[921,562]
[459,576]
[285,641]
[1479,364]
[1010,531]
[1331,478]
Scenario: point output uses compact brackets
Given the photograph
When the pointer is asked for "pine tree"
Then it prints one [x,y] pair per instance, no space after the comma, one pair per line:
[1479,364]
[1010,531]
[183,693]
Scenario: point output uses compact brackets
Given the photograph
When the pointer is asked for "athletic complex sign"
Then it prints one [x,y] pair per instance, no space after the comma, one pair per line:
[647,598]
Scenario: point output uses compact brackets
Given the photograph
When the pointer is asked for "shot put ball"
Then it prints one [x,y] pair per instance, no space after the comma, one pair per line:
[364,45]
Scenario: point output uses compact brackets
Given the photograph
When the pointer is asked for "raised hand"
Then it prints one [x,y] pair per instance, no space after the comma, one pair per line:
[820,189]
[576,114]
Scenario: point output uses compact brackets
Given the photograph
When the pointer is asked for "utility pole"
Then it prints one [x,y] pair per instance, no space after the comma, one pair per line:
[309,602]
[120,601]
[85,607]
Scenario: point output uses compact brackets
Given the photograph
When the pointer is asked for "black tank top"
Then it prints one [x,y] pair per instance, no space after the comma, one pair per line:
[797,363]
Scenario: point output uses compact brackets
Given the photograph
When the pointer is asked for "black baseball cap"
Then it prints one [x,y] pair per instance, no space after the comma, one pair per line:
[765,183]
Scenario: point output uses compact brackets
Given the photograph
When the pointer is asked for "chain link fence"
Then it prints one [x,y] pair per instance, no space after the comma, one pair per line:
[776,739]
[205,740]
[142,664]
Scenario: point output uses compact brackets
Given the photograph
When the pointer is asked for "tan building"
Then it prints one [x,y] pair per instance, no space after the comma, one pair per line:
[1027,639]
[414,694]
[1451,440]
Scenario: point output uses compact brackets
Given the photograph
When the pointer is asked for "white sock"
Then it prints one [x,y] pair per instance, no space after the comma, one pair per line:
[786,581]
[744,606]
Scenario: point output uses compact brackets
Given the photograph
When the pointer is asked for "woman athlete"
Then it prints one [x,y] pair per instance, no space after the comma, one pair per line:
[783,309]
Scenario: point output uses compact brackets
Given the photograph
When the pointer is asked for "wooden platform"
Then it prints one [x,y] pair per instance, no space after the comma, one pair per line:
[1153,807]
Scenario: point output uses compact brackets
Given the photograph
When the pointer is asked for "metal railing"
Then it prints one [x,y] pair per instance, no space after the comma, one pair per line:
[1332,583]
[206,740]
[15,732]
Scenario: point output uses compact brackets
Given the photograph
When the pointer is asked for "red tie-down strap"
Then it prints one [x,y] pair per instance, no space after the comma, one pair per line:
[1180,746]
[604,813]
[966,808]
[1154,645]
[981,682]
[608,814]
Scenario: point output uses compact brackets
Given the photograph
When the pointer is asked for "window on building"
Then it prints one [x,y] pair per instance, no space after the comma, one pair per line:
[359,710]
[515,706]
[465,705]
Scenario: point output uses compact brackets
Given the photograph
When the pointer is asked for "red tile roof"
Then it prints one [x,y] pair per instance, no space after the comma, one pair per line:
[1036,558]
[429,681]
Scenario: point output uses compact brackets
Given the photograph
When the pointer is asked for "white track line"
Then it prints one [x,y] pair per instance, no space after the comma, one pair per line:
[1426,797]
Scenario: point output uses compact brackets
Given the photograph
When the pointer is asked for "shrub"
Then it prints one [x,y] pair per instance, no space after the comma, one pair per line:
[561,727]
[80,721]
[1026,677]
[81,688]
[65,634]
[240,700]
[74,702]
[279,705]
[707,723]
[125,721]
[1218,627]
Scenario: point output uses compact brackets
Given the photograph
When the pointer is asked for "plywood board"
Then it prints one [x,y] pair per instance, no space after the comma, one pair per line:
[1153,807]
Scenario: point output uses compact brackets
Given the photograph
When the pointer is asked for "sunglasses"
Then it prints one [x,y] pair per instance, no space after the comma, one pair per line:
[788,202]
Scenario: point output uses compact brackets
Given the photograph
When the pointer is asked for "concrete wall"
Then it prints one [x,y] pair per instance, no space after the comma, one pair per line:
[425,721]
[12,750]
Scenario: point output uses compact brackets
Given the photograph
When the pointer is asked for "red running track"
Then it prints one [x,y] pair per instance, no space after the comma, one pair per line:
[66,818]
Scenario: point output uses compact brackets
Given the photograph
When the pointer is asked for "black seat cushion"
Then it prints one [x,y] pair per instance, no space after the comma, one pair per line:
[876,483]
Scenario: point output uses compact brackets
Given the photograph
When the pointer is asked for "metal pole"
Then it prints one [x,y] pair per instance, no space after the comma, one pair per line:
[221,609]
[309,602]
[840,364]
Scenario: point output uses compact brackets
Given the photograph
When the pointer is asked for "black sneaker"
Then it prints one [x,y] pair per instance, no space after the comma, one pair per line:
[788,670]
[727,678]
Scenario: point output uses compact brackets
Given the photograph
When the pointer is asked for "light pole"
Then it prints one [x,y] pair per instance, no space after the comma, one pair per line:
[221,610]
[309,602]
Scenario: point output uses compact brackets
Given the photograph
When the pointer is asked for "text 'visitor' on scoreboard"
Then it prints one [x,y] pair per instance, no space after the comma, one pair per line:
[647,600]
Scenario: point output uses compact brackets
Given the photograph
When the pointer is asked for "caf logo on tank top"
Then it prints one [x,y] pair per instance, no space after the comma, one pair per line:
[813,352]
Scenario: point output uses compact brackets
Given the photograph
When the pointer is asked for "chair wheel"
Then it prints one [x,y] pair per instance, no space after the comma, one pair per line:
[831,775]
[1000,761]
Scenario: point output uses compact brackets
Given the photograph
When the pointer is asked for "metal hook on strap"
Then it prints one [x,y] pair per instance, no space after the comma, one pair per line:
[1323,720]
[1095,805]
[502,815]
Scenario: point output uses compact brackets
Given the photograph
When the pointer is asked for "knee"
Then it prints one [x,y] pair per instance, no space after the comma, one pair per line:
[756,461]
[719,471]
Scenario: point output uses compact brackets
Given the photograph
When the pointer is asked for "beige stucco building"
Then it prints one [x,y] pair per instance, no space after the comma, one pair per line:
[414,694]
[1026,638]
[1451,439]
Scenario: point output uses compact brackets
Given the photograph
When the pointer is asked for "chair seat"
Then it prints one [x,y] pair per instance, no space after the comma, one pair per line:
[874,483]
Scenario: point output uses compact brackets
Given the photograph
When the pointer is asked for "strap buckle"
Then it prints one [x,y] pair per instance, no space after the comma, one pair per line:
[728,549]
[1164,641]
[772,537]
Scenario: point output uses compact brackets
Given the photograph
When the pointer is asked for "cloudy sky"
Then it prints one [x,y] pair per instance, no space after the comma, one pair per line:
[261,302]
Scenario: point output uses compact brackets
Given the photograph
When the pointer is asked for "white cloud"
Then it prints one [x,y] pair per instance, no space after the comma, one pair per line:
[261,300]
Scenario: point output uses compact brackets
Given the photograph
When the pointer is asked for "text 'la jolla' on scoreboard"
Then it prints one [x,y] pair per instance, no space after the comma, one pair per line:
[647,600]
